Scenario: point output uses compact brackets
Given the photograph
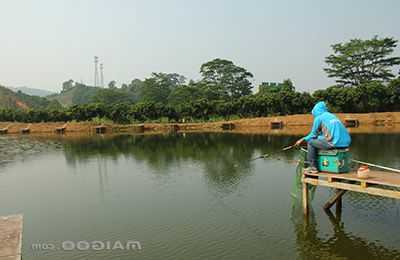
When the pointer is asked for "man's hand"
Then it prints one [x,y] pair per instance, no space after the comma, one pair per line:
[299,142]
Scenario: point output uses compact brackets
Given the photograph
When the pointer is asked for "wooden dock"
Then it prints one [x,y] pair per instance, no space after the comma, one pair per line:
[61,129]
[26,130]
[351,122]
[379,183]
[276,124]
[11,237]
[100,129]
[228,126]
[4,130]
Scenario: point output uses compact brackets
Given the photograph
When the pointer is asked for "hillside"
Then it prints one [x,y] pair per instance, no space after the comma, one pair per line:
[81,94]
[12,100]
[76,95]
[32,91]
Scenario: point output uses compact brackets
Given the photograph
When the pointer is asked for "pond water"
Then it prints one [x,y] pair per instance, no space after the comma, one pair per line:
[187,196]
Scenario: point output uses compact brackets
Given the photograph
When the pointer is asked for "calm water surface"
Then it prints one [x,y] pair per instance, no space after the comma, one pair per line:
[188,196]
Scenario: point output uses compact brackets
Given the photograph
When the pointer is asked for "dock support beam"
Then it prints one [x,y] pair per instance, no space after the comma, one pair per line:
[337,198]
[305,198]
[339,206]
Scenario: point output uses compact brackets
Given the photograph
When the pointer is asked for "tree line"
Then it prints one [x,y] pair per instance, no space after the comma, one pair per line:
[363,70]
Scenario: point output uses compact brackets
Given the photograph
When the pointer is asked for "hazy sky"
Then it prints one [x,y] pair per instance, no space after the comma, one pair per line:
[45,42]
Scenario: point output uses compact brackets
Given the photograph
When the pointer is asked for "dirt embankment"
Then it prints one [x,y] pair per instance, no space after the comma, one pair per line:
[281,125]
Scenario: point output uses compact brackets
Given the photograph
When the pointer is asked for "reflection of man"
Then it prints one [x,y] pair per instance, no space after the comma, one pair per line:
[327,132]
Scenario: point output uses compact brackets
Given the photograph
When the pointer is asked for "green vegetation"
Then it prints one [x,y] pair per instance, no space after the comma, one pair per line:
[362,68]
[74,94]
[361,61]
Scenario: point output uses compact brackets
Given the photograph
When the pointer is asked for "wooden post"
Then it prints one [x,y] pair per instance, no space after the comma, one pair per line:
[339,208]
[331,217]
[305,198]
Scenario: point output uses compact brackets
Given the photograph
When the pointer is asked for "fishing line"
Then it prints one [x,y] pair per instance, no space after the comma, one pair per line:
[261,234]
[258,232]
[267,155]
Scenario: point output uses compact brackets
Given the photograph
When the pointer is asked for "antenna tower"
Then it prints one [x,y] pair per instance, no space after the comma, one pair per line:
[101,75]
[96,72]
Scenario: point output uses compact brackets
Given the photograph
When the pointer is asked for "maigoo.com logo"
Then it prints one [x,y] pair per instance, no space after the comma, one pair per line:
[84,245]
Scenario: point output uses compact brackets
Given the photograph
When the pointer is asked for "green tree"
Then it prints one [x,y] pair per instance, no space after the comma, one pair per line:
[135,87]
[112,84]
[226,79]
[135,84]
[394,88]
[83,94]
[158,87]
[184,94]
[67,85]
[359,61]
[112,96]
[271,87]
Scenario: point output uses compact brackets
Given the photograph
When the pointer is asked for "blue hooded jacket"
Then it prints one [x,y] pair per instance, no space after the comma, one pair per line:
[327,126]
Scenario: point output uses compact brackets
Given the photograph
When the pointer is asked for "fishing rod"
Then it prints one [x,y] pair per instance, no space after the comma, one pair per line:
[289,147]
[357,161]
[377,166]
[264,156]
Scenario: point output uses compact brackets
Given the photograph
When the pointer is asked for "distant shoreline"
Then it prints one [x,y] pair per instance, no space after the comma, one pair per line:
[285,125]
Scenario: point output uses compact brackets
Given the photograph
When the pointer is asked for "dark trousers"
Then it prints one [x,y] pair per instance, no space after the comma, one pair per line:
[312,150]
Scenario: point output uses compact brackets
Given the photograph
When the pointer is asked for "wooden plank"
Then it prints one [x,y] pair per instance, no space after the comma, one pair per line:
[375,177]
[11,237]
[335,198]
[354,187]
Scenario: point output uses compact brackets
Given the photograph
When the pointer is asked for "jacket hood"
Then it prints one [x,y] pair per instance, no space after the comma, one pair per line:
[319,109]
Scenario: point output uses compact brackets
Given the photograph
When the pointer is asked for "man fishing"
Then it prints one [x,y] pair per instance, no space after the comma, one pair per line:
[327,132]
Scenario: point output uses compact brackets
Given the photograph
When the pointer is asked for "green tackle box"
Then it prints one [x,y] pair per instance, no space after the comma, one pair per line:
[335,160]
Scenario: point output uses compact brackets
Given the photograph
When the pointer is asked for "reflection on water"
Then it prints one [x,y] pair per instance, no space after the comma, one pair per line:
[338,244]
[190,196]
[22,147]
[225,160]
[377,148]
